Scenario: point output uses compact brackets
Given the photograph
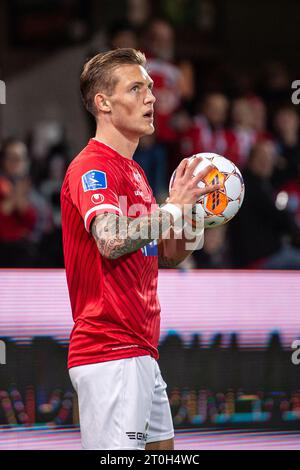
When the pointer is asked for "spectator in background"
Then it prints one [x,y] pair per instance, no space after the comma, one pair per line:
[25,217]
[287,175]
[243,130]
[286,125]
[122,34]
[257,232]
[173,83]
[207,132]
[259,111]
[46,139]
[18,215]
[275,84]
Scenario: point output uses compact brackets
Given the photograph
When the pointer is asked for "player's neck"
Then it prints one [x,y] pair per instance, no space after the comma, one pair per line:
[118,142]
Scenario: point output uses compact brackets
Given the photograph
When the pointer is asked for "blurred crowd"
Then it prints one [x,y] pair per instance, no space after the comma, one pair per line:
[249,119]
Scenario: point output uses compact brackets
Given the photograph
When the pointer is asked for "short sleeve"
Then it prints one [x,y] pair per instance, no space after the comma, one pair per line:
[94,190]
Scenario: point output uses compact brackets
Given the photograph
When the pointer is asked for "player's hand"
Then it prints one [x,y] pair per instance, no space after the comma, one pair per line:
[185,189]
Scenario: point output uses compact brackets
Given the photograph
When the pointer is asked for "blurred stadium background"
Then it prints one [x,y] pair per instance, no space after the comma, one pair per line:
[223,73]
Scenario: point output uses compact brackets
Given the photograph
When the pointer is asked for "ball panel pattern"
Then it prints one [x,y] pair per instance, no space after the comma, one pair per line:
[223,165]
[222,205]
[233,187]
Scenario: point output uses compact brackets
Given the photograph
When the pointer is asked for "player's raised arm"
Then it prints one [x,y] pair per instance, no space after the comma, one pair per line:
[117,235]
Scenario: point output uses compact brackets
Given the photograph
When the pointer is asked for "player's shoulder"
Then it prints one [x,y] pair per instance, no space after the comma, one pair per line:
[93,157]
[89,154]
[95,167]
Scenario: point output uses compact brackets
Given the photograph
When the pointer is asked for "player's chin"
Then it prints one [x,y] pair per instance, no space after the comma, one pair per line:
[149,129]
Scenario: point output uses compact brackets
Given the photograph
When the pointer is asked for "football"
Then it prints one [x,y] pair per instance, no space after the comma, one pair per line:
[222,205]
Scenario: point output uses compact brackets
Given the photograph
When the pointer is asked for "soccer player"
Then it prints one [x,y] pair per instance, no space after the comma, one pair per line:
[111,260]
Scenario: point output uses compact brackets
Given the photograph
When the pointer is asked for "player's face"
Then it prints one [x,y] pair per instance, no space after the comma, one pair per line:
[132,101]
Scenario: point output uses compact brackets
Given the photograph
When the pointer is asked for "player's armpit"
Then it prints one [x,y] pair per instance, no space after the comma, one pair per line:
[118,235]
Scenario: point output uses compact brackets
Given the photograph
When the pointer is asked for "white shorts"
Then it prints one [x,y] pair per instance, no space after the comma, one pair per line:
[123,404]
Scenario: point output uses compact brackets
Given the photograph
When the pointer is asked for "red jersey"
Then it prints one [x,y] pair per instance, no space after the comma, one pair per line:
[114,302]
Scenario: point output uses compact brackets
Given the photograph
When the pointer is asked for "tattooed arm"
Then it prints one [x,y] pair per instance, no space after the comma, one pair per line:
[119,235]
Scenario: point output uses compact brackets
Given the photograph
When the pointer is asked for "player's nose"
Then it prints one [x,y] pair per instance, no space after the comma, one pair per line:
[150,98]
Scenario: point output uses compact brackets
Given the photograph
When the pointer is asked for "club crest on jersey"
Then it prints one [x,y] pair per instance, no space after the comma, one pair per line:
[94,179]
[97,198]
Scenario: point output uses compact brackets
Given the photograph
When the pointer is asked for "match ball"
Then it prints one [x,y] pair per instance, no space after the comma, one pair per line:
[222,205]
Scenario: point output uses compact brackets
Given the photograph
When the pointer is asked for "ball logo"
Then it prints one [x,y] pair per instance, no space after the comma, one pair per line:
[97,198]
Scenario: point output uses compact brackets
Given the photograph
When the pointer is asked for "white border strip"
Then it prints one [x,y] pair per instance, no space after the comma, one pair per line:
[100,207]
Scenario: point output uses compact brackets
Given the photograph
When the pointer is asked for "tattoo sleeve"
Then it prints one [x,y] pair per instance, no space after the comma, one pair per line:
[119,235]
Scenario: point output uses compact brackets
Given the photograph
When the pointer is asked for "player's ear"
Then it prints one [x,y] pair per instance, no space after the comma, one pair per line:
[102,103]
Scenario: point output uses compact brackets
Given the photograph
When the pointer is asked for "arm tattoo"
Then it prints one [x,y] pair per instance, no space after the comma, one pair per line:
[119,235]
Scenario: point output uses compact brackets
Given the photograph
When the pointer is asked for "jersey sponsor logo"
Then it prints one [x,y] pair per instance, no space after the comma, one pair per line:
[150,249]
[97,198]
[146,197]
[142,188]
[93,180]
[139,436]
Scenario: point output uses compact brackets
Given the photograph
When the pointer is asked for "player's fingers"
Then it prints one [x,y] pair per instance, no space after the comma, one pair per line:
[203,173]
[192,165]
[180,171]
[210,188]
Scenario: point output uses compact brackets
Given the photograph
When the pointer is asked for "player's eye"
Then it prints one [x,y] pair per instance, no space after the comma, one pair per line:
[135,88]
